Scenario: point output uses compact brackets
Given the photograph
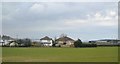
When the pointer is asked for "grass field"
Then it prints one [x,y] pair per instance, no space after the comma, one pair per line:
[99,54]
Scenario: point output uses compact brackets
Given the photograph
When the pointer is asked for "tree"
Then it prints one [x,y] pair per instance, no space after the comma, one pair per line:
[27,42]
[53,43]
[24,42]
[19,41]
[77,43]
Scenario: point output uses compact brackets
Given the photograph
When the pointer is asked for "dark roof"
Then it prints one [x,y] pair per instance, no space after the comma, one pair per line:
[4,37]
[65,38]
[46,38]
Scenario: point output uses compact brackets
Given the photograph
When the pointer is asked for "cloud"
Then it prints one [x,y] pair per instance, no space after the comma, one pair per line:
[0,19]
[48,17]
[113,13]
[109,19]
[37,8]
[75,22]
[97,19]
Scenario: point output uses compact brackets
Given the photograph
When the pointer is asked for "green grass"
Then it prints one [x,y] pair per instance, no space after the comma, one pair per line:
[99,54]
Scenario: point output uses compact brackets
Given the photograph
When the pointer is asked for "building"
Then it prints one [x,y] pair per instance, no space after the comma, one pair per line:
[5,40]
[46,41]
[106,42]
[65,41]
[13,43]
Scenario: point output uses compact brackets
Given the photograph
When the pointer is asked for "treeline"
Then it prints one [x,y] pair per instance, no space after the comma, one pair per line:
[77,44]
[23,42]
[28,43]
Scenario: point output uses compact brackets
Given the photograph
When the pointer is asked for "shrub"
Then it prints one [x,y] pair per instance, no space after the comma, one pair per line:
[88,45]
[77,43]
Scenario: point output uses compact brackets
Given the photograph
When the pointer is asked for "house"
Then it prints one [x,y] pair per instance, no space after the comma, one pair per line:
[1,42]
[106,42]
[46,41]
[65,41]
[5,42]
[13,43]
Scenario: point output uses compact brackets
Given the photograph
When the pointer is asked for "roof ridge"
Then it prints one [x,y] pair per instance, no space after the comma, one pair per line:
[46,38]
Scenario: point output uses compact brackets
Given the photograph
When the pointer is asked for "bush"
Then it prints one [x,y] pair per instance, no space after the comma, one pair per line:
[77,43]
[24,42]
[88,45]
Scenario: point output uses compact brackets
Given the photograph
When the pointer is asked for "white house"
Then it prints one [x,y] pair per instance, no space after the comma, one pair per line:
[46,41]
[5,42]
[1,42]
[13,44]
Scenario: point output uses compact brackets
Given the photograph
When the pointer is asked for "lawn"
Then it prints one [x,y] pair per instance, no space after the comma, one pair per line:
[98,54]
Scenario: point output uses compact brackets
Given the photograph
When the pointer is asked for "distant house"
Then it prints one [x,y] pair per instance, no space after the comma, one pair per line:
[106,42]
[5,40]
[46,41]
[1,41]
[64,41]
[13,43]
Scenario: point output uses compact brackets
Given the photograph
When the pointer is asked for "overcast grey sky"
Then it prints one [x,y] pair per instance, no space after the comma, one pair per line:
[84,20]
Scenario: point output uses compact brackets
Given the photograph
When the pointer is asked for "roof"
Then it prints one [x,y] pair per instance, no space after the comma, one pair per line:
[46,38]
[65,38]
[4,37]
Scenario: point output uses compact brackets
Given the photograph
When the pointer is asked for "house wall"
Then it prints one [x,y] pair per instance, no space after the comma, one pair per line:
[68,43]
[49,41]
[5,42]
[46,40]
[13,44]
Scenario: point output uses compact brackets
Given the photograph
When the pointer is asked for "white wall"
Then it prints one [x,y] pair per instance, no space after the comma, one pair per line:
[49,41]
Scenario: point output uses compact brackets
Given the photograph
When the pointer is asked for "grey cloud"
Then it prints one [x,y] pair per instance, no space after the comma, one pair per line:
[19,17]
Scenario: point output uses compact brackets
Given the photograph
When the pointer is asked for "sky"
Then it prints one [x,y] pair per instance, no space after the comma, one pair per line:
[84,20]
